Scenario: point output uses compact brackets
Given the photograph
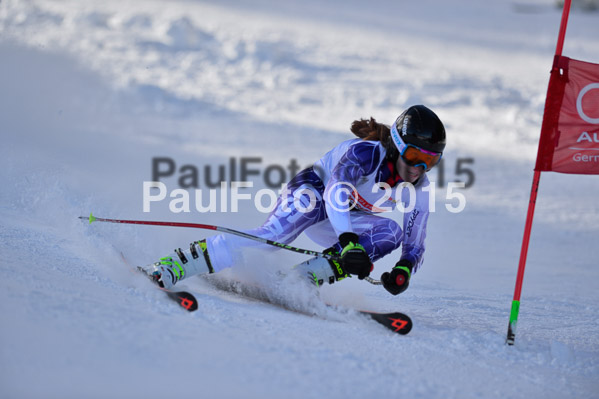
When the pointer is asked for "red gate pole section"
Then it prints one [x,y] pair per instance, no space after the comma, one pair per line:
[515,310]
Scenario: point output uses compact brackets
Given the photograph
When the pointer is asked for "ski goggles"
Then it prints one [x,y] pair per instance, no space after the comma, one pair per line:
[414,155]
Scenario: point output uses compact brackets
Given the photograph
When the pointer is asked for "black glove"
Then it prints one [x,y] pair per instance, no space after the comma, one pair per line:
[398,280]
[354,259]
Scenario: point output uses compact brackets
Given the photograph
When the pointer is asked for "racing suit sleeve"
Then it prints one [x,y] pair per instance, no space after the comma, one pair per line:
[414,226]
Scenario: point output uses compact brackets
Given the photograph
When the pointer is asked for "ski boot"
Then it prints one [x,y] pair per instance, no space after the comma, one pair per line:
[318,270]
[180,265]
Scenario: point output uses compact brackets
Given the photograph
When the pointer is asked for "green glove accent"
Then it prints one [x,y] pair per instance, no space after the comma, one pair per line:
[351,246]
[354,258]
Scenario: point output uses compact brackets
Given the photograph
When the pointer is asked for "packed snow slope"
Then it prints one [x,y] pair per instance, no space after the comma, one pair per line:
[91,92]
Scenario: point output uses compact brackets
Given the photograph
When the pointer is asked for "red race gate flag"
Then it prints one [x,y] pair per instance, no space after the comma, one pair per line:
[569,140]
[570,133]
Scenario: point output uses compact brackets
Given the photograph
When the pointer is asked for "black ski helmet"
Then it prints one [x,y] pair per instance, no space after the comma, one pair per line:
[420,126]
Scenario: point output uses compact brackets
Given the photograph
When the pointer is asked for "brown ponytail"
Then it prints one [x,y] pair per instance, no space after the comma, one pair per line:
[370,130]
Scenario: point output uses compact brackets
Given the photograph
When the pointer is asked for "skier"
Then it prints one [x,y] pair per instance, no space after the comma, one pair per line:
[334,203]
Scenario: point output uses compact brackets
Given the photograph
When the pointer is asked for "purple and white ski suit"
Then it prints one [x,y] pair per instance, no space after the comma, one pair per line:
[341,193]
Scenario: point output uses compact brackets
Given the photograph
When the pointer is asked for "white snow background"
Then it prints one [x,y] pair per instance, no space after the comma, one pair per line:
[91,91]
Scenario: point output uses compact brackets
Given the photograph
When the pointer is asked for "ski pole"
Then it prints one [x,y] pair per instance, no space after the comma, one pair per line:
[221,229]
